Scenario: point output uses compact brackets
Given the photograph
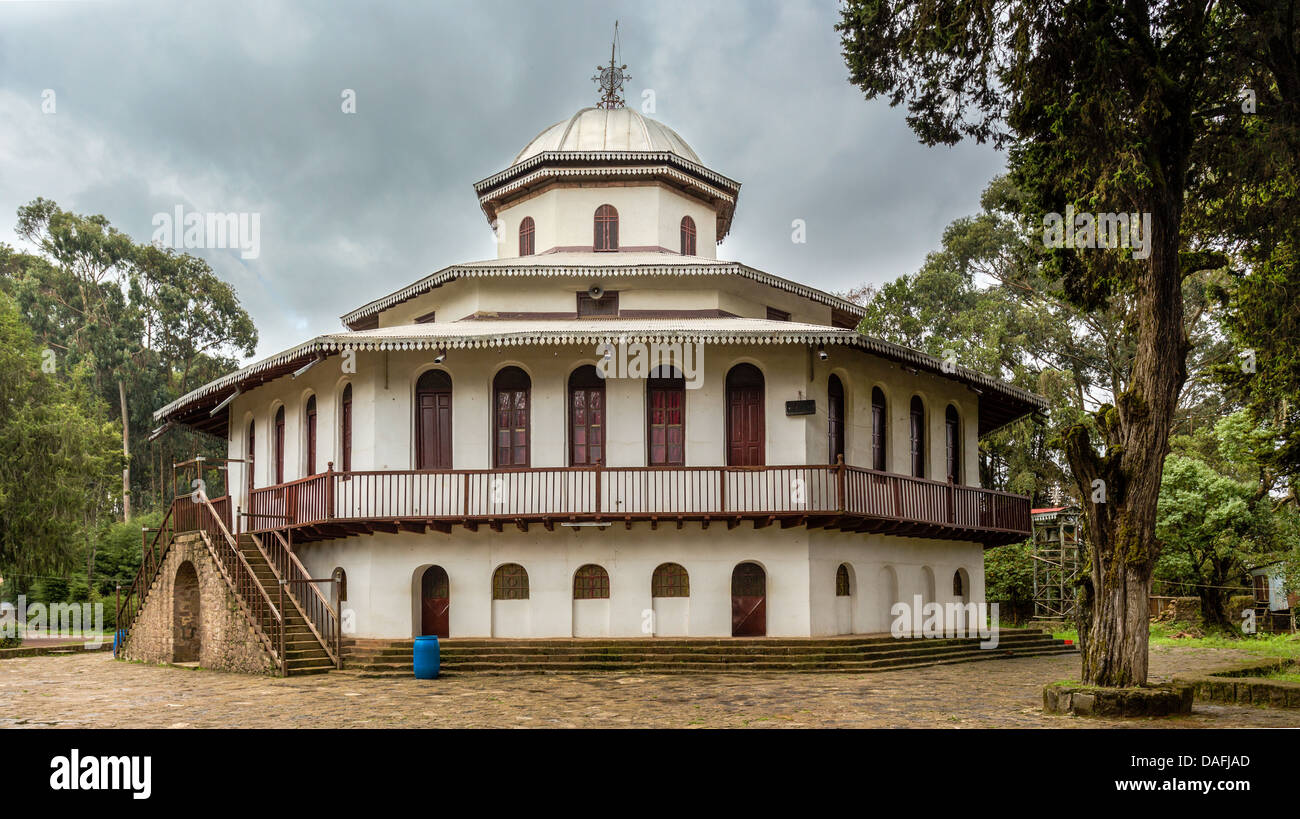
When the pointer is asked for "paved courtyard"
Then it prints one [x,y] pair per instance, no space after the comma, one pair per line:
[92,690]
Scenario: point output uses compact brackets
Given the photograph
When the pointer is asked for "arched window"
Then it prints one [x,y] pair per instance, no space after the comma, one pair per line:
[745,425]
[311,434]
[952,437]
[345,427]
[279,445]
[510,582]
[918,437]
[879,421]
[835,417]
[433,420]
[842,581]
[670,580]
[591,582]
[688,236]
[512,388]
[606,228]
[248,467]
[341,583]
[586,417]
[958,587]
[526,233]
[666,418]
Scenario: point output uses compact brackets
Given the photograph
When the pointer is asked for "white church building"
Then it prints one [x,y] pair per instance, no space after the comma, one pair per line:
[607,430]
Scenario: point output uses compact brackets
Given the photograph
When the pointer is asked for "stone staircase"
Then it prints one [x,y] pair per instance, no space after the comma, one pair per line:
[854,653]
[303,652]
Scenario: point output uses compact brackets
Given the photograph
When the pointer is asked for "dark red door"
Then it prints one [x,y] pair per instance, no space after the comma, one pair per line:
[435,602]
[745,431]
[512,387]
[835,418]
[586,417]
[433,421]
[748,601]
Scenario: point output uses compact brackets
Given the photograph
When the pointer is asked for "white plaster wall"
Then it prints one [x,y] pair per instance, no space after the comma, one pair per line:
[649,215]
[800,568]
[383,416]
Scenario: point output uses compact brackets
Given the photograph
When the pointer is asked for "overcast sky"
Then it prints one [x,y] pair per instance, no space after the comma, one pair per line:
[233,106]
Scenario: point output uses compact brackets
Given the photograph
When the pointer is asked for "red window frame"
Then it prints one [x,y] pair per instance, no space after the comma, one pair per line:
[311,435]
[952,439]
[879,425]
[670,580]
[605,236]
[917,437]
[527,237]
[279,445]
[510,582]
[688,236]
[512,397]
[591,582]
[666,421]
[345,424]
[587,417]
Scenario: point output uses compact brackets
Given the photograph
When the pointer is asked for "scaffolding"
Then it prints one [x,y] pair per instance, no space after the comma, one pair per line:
[1057,532]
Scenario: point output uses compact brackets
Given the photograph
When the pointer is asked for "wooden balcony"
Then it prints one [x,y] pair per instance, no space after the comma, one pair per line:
[338,504]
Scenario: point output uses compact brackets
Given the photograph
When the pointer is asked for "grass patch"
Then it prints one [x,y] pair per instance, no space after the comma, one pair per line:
[1162,634]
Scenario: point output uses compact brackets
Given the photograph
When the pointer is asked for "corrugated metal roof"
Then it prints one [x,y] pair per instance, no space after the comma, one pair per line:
[586,264]
[507,332]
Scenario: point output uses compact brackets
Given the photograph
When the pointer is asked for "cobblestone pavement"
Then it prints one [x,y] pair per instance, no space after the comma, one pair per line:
[93,690]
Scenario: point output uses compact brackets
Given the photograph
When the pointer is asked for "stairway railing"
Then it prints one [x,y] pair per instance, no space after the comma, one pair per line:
[151,561]
[304,591]
[263,615]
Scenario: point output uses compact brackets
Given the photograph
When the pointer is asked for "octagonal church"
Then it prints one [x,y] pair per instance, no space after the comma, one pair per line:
[606,431]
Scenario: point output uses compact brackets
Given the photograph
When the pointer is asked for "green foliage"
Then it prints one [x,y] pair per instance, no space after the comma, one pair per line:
[147,324]
[1009,576]
[59,462]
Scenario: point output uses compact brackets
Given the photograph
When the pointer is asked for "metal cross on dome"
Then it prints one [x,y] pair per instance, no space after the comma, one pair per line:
[610,78]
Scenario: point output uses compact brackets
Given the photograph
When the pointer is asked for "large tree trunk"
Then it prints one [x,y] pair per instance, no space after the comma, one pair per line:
[126,452]
[1122,486]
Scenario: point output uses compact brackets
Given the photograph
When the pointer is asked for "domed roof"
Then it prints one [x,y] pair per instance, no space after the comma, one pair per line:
[607,129]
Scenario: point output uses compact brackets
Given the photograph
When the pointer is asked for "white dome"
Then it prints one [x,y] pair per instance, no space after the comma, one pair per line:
[601,129]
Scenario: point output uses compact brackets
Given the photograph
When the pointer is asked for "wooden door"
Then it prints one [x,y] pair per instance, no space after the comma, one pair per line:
[666,422]
[279,445]
[433,421]
[586,417]
[835,418]
[435,602]
[748,601]
[512,388]
[745,429]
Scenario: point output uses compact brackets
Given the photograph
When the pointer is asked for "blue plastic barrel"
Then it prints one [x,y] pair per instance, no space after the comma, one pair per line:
[427,657]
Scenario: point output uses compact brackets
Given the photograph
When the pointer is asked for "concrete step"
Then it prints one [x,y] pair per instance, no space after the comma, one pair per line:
[405,670]
[896,653]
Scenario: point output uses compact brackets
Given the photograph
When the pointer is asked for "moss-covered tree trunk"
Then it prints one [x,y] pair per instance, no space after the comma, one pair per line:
[1121,482]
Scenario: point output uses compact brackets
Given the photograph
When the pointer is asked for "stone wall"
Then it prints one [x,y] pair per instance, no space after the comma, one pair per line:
[225,639]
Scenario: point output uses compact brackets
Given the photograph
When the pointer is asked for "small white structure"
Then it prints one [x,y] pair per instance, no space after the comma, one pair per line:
[608,431]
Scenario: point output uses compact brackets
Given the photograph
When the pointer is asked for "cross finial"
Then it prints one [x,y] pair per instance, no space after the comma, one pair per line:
[610,78]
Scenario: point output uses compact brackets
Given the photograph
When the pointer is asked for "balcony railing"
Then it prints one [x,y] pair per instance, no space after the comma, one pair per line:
[845,497]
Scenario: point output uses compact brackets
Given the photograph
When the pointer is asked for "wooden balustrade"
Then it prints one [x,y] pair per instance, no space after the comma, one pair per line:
[304,591]
[626,493]
[263,614]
